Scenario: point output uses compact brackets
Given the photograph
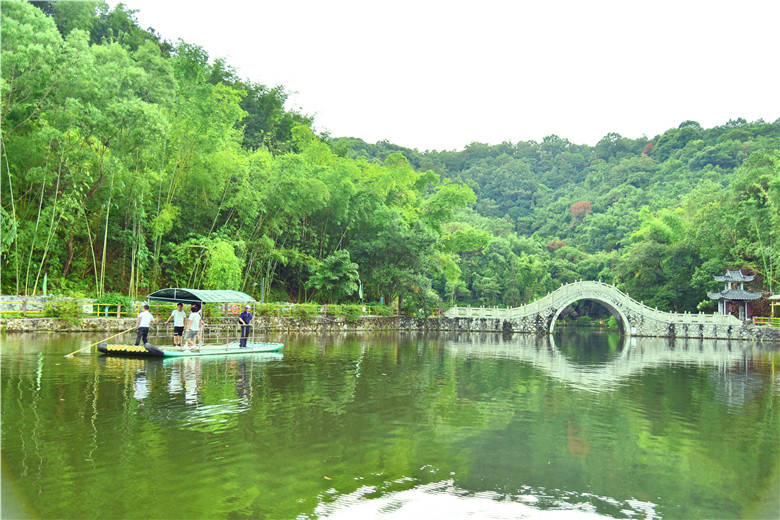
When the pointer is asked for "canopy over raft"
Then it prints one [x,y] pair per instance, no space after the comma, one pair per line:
[189,296]
[182,295]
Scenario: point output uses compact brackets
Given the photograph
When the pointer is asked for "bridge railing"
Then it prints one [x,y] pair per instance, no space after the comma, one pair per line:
[566,291]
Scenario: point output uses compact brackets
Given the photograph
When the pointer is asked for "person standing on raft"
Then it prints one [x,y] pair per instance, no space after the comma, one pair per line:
[142,323]
[178,316]
[245,318]
[193,325]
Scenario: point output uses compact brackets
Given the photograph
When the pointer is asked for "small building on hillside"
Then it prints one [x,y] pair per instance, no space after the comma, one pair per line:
[774,301]
[734,293]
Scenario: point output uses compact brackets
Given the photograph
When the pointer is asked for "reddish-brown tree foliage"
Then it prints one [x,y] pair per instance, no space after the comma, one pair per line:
[581,208]
[648,149]
[555,244]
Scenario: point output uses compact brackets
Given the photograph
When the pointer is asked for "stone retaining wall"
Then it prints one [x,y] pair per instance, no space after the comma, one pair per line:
[320,324]
[378,323]
[65,325]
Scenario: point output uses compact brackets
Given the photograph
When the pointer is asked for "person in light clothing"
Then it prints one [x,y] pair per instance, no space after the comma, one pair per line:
[199,310]
[178,316]
[192,326]
[142,323]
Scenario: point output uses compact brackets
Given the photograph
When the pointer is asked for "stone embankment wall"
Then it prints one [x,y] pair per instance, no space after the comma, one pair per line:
[376,323]
[318,324]
[35,304]
[66,325]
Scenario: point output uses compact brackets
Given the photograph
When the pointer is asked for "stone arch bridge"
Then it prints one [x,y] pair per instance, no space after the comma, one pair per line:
[633,317]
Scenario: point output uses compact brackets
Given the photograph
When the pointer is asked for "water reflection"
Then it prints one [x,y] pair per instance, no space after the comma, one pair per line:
[183,379]
[244,382]
[191,369]
[587,346]
[174,384]
[140,386]
[602,362]
[369,425]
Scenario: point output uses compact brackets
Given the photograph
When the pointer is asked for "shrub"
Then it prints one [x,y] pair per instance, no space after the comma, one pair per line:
[352,313]
[70,310]
[421,303]
[381,310]
[109,301]
[305,312]
[267,309]
[583,321]
[612,323]
[334,310]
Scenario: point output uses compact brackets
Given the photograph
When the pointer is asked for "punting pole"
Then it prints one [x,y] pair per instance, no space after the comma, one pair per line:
[101,341]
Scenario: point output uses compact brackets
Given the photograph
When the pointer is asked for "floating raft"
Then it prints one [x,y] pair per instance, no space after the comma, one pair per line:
[206,350]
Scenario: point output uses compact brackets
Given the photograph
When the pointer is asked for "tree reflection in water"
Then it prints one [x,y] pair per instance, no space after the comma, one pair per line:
[684,428]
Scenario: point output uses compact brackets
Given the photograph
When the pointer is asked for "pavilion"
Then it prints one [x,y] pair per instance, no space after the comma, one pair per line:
[734,291]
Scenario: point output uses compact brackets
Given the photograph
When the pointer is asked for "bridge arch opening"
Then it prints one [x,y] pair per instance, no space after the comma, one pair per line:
[623,324]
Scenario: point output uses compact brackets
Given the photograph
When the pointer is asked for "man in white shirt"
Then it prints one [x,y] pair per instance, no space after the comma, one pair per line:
[142,323]
[193,325]
[178,316]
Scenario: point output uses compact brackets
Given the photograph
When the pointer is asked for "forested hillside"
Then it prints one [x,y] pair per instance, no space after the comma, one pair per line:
[658,216]
[131,163]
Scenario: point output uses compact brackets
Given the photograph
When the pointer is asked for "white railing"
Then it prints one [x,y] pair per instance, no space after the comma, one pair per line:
[590,290]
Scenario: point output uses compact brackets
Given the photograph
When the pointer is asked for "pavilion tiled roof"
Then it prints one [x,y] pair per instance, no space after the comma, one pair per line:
[735,275]
[735,294]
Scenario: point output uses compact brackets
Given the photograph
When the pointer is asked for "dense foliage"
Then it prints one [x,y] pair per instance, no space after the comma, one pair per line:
[130,163]
[657,216]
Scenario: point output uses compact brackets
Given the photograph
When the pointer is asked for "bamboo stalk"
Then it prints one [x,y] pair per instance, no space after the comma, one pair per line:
[91,246]
[51,230]
[105,240]
[98,342]
[35,234]
[13,210]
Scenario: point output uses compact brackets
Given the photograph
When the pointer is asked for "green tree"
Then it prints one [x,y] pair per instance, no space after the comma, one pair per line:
[336,277]
[223,270]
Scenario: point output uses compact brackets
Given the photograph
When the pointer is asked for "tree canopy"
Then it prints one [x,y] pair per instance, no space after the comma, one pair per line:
[130,163]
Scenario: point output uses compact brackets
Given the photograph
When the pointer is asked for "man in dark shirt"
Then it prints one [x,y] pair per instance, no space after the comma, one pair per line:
[245,318]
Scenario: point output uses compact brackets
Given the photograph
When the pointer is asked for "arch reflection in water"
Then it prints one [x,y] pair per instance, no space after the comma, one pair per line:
[631,357]
[588,346]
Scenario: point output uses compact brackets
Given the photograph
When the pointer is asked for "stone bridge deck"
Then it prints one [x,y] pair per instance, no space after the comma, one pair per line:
[633,317]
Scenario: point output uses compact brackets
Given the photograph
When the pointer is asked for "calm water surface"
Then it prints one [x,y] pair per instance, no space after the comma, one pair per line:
[396,426]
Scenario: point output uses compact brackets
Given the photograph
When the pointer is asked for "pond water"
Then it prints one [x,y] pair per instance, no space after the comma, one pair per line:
[395,426]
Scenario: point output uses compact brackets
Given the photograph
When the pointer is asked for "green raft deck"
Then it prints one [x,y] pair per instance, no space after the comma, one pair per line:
[205,350]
